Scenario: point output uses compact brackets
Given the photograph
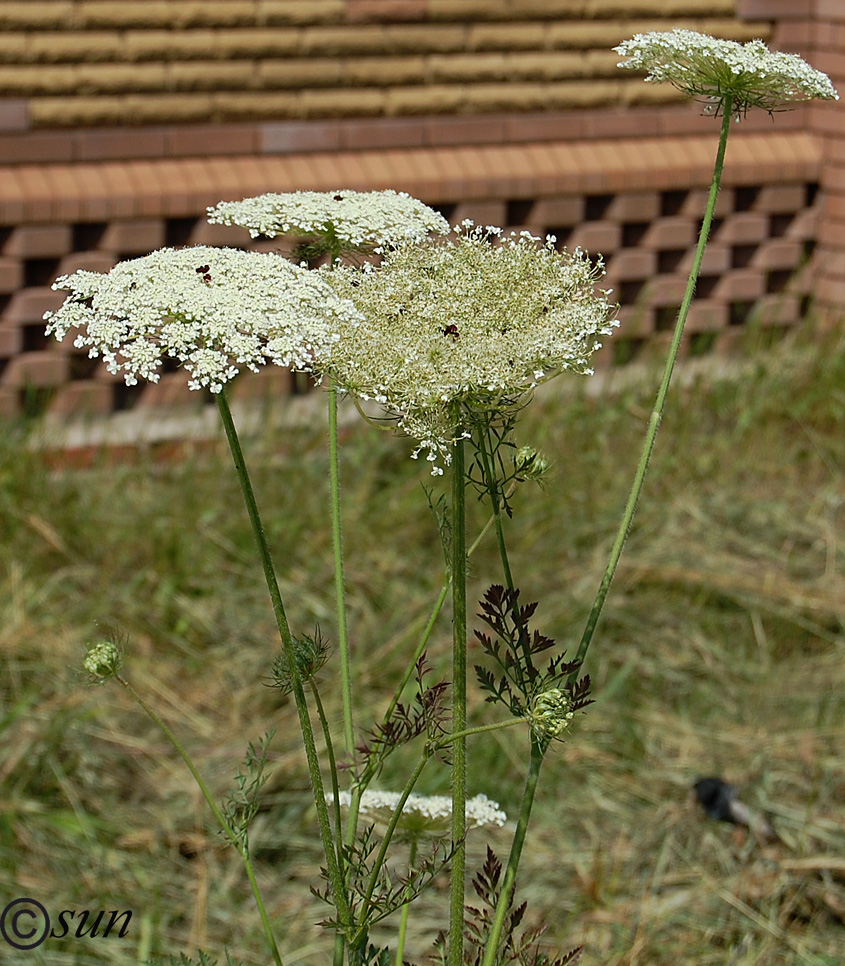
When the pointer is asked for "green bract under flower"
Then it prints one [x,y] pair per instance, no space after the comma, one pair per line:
[423,814]
[465,326]
[749,74]
[214,310]
[353,218]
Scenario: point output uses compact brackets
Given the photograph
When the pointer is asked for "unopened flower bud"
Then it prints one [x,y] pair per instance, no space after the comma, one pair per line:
[529,464]
[551,712]
[103,661]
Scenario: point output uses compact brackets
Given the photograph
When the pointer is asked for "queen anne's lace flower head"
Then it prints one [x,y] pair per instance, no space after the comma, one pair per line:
[214,310]
[423,814]
[355,219]
[749,74]
[471,324]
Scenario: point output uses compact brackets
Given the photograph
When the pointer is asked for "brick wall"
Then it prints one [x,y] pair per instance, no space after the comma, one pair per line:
[120,123]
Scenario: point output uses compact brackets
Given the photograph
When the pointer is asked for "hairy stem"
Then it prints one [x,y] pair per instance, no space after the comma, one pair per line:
[491,950]
[459,703]
[385,842]
[403,918]
[660,401]
[334,873]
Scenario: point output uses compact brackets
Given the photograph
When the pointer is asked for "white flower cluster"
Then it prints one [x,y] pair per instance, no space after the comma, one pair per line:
[354,218]
[212,309]
[469,324]
[424,814]
[704,66]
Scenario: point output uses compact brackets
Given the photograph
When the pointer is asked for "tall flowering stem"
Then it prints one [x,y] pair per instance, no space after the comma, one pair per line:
[459,701]
[660,401]
[334,873]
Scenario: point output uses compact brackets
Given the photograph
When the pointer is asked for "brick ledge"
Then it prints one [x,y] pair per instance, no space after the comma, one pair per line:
[182,187]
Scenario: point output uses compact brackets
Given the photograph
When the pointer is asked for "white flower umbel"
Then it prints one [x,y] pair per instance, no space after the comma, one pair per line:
[423,814]
[214,310]
[703,66]
[355,219]
[472,323]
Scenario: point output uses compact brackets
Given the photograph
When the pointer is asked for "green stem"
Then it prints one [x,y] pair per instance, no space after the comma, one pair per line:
[339,583]
[505,896]
[327,735]
[334,874]
[480,730]
[385,842]
[459,703]
[403,919]
[432,620]
[660,401]
[228,831]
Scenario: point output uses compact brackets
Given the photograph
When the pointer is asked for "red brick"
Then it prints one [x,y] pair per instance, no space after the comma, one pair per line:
[705,315]
[226,236]
[834,150]
[95,145]
[387,133]
[204,140]
[36,193]
[137,237]
[793,37]
[465,130]
[30,304]
[36,146]
[521,127]
[88,261]
[566,210]
[489,212]
[831,234]
[826,117]
[740,285]
[830,10]
[630,265]
[780,198]
[11,274]
[834,178]
[828,35]
[10,341]
[637,206]
[618,122]
[779,253]
[14,115]
[716,260]
[667,290]
[667,233]
[287,137]
[744,228]
[598,237]
[39,241]
[775,9]
[84,398]
[36,369]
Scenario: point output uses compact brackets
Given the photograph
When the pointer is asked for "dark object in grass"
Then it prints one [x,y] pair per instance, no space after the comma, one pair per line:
[720,801]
